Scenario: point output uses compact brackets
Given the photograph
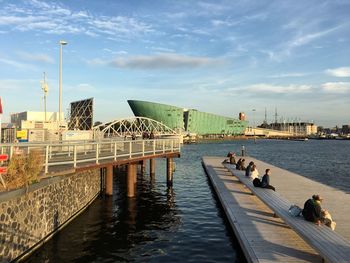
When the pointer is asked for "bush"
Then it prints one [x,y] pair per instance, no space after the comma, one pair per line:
[23,169]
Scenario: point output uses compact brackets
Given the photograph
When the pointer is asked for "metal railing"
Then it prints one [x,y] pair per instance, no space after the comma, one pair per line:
[77,153]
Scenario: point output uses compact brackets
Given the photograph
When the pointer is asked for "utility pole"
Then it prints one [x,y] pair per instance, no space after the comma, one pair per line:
[45,88]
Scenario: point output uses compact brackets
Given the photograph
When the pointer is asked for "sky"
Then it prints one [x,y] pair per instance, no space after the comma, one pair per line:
[222,57]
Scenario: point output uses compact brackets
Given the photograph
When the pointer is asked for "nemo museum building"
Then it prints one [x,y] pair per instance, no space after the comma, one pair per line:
[189,120]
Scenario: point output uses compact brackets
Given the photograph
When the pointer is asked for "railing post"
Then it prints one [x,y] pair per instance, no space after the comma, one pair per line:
[163,146]
[154,146]
[143,148]
[75,155]
[11,151]
[115,151]
[130,149]
[50,151]
[97,152]
[47,159]
[172,145]
[68,150]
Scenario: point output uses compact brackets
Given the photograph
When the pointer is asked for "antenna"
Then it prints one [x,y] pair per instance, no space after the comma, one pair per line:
[276,115]
[265,120]
[45,88]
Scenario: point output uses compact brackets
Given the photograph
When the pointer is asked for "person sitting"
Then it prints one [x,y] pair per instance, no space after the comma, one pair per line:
[265,182]
[232,158]
[313,212]
[248,169]
[254,173]
[312,209]
[238,164]
[242,166]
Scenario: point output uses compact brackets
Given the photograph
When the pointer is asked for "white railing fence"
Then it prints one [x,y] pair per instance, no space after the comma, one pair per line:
[75,153]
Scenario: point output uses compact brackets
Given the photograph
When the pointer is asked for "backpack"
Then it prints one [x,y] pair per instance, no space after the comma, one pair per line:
[295,210]
[257,182]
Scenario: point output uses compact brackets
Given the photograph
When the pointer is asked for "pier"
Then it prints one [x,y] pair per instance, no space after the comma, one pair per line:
[263,237]
[73,174]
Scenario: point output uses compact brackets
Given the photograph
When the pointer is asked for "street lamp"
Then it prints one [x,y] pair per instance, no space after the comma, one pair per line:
[253,110]
[62,43]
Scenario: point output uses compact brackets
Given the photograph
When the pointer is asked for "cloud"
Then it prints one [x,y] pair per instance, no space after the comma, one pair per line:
[54,18]
[278,89]
[36,57]
[339,72]
[164,61]
[288,75]
[16,84]
[16,64]
[336,87]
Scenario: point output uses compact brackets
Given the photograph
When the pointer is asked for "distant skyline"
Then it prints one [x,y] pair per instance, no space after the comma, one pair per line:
[222,57]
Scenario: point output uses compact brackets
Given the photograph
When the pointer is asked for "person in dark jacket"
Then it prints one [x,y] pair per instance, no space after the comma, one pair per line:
[238,164]
[248,169]
[312,209]
[265,181]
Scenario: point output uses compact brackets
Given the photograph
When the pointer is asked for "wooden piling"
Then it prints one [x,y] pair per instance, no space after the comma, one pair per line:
[152,167]
[109,180]
[169,172]
[131,180]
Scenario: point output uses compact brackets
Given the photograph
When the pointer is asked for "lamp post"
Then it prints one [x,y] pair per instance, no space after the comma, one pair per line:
[253,110]
[62,43]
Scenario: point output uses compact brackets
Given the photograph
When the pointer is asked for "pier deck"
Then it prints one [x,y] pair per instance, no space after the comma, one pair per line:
[297,189]
[263,237]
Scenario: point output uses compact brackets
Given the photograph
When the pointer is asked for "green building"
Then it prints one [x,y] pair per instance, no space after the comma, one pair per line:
[191,121]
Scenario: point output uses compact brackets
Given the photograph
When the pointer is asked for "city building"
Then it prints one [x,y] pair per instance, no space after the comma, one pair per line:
[189,120]
[34,126]
[295,128]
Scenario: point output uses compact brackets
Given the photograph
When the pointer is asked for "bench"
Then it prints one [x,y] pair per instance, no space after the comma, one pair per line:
[328,244]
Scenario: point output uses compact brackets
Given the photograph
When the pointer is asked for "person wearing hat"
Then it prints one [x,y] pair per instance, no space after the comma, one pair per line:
[312,209]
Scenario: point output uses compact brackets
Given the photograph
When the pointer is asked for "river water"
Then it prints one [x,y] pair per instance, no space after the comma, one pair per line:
[185,223]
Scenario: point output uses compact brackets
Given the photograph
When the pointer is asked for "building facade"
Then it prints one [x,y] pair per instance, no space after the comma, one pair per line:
[188,120]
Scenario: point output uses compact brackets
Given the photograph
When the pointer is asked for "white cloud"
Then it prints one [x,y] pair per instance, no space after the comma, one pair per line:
[164,61]
[288,75]
[54,18]
[339,72]
[36,57]
[336,87]
[15,84]
[278,89]
[17,64]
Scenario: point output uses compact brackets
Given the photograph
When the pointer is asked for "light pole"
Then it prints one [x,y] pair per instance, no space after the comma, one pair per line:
[62,43]
[253,110]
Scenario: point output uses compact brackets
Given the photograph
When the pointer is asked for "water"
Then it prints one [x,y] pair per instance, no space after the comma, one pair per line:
[185,223]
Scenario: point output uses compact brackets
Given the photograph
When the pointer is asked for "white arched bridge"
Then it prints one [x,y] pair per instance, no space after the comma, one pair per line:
[133,126]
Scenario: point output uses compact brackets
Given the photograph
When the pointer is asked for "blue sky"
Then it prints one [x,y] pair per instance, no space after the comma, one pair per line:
[218,56]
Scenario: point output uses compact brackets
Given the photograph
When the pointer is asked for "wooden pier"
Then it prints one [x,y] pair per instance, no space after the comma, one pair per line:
[263,237]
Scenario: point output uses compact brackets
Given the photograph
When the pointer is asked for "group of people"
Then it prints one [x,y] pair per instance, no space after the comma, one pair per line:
[312,210]
[251,171]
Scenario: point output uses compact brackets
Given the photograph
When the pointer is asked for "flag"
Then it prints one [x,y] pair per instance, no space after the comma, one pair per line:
[0,106]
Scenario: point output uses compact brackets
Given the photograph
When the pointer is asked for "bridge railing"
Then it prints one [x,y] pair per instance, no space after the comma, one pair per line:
[79,153]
